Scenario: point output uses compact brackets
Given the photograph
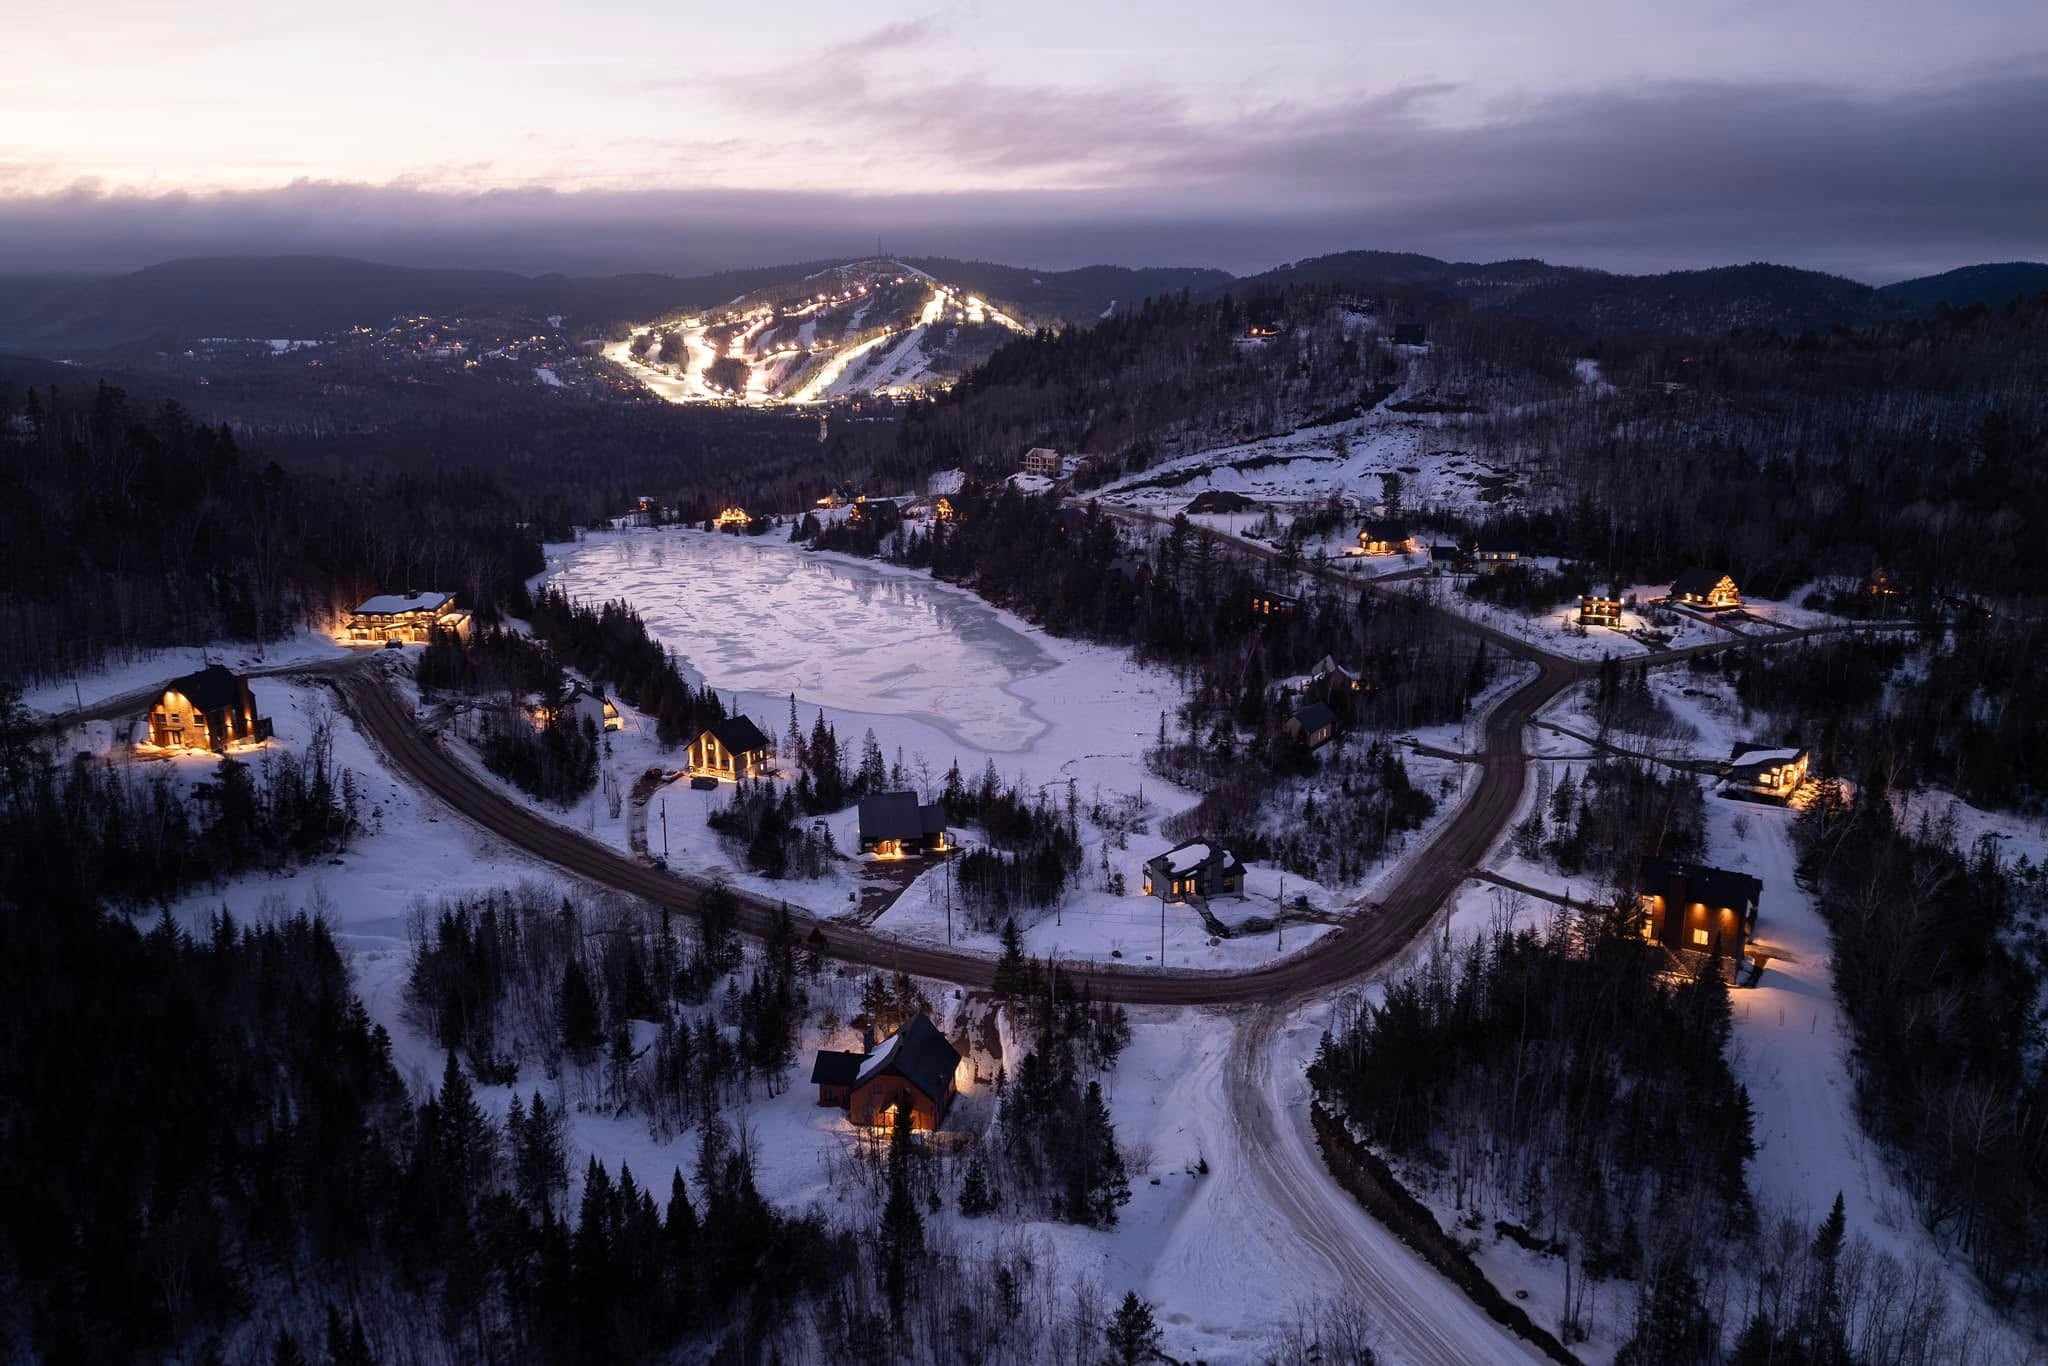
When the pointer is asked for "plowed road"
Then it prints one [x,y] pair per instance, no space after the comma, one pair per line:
[1421,1317]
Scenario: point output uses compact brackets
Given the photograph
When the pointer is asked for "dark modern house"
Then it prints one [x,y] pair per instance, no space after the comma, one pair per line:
[1692,907]
[733,748]
[1194,871]
[1385,538]
[913,1069]
[1265,602]
[897,825]
[210,709]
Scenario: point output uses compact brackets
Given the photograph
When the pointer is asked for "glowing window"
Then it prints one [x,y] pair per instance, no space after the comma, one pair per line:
[1699,937]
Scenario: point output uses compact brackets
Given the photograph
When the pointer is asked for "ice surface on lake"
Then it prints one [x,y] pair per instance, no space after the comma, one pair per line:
[764,618]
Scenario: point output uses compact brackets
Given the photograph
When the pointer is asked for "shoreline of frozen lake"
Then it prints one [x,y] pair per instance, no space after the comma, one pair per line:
[764,620]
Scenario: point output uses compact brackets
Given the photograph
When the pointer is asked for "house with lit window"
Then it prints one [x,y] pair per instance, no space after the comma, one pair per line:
[1493,557]
[733,519]
[1385,538]
[915,1069]
[1041,460]
[1597,609]
[1708,590]
[734,748]
[210,710]
[1194,870]
[1767,770]
[1694,908]
[897,825]
[1267,602]
[582,707]
[1315,723]
[404,617]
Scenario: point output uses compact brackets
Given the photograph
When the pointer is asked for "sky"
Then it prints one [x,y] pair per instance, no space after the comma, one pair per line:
[1875,138]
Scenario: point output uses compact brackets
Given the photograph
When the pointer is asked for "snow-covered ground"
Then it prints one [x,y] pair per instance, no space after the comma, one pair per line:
[1346,458]
[1791,1039]
[148,668]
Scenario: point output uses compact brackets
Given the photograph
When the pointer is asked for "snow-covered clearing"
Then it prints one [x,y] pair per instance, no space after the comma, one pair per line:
[146,669]
[1346,458]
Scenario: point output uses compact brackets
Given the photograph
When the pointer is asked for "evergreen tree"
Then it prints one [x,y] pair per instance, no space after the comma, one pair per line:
[576,1014]
[1133,1331]
[902,1225]
[976,1198]
[1011,968]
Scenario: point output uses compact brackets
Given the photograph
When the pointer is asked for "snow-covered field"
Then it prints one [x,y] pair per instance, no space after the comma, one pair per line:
[148,668]
[1347,458]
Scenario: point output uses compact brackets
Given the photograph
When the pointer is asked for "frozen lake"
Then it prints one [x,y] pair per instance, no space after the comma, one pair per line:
[760,617]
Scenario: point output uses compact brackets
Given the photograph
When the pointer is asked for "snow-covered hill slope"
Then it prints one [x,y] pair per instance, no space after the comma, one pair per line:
[867,327]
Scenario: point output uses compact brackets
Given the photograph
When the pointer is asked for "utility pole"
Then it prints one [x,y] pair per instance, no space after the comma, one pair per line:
[664,827]
[1162,931]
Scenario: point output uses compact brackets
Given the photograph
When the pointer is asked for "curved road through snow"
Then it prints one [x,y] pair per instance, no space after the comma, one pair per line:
[1422,1317]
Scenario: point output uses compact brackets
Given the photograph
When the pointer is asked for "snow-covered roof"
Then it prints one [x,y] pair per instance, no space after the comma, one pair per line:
[386,604]
[946,482]
[1030,483]
[1187,857]
[874,1061]
[1745,757]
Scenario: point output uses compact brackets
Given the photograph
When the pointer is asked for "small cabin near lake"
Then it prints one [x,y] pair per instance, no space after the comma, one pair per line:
[915,1069]
[734,748]
[1697,909]
[1708,590]
[1194,871]
[407,617]
[208,710]
[897,825]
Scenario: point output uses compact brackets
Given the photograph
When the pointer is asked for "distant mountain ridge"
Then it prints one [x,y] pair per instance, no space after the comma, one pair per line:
[301,296]
[1757,295]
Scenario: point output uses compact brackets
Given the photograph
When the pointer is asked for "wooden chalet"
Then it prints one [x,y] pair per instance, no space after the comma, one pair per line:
[1194,870]
[1314,722]
[1767,771]
[1385,538]
[1267,602]
[1697,909]
[405,617]
[1495,556]
[1041,460]
[1596,609]
[897,825]
[209,710]
[1708,590]
[733,748]
[914,1069]
[733,519]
